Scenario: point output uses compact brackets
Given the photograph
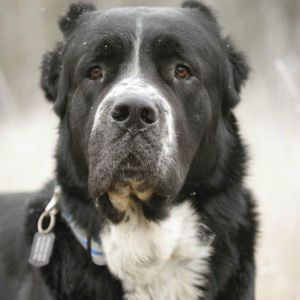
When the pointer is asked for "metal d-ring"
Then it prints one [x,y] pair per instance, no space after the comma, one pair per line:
[51,225]
[50,212]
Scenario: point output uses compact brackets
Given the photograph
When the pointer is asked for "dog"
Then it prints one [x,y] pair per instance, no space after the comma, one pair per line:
[148,199]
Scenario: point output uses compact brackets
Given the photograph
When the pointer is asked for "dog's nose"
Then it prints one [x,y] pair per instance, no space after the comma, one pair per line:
[134,113]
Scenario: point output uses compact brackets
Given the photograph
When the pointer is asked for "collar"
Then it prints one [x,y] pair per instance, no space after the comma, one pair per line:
[97,253]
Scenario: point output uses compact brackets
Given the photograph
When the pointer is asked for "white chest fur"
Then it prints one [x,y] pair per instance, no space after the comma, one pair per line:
[161,261]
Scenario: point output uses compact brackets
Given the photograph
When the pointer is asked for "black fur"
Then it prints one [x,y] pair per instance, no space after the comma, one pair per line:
[238,74]
[68,22]
[51,68]
[211,156]
[200,6]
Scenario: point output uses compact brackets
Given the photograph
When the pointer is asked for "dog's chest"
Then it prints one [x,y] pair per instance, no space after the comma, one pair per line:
[166,260]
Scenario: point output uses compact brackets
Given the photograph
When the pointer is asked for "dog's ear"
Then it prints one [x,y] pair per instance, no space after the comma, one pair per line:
[236,66]
[68,22]
[52,78]
[237,74]
[51,68]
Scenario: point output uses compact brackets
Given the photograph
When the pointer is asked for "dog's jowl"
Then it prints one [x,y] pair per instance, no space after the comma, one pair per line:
[149,201]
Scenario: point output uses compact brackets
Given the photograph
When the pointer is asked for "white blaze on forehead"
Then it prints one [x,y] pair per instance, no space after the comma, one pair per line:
[135,68]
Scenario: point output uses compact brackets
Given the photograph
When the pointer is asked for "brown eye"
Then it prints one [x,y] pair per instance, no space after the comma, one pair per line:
[182,72]
[95,73]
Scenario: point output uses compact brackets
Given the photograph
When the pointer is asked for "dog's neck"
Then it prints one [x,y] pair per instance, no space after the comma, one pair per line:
[136,246]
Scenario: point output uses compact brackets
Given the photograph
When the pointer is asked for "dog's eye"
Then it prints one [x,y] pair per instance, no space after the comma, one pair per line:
[95,73]
[182,71]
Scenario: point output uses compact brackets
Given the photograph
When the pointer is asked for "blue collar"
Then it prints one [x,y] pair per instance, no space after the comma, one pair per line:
[97,253]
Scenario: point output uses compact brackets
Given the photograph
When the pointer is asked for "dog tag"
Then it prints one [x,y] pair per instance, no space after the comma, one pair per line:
[43,241]
[41,249]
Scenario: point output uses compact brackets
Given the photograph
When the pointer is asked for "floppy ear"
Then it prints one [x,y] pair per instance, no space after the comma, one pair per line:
[236,67]
[237,73]
[53,81]
[52,70]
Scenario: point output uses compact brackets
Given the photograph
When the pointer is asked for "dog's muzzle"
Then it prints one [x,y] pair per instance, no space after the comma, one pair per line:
[132,139]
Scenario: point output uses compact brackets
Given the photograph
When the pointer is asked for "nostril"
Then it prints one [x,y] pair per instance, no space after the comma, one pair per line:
[148,115]
[120,113]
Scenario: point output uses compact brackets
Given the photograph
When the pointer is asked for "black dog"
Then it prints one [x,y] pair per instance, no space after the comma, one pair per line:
[150,202]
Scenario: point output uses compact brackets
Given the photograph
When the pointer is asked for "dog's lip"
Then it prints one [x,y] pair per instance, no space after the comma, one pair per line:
[131,164]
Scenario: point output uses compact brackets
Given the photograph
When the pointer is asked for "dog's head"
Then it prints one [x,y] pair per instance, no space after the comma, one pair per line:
[140,93]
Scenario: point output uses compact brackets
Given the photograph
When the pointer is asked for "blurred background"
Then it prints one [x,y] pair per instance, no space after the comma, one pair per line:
[268,31]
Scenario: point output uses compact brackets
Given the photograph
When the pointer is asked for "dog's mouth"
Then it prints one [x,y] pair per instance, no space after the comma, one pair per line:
[131,164]
[125,169]
[128,181]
